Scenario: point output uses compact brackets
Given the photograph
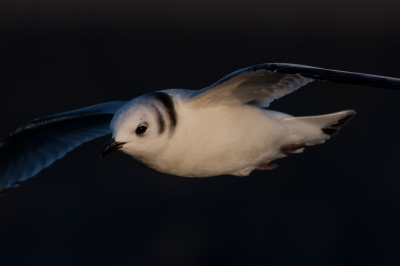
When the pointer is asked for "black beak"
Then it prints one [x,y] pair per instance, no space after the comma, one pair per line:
[112,145]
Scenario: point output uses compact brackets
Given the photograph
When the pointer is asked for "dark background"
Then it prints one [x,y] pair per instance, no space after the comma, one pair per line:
[335,204]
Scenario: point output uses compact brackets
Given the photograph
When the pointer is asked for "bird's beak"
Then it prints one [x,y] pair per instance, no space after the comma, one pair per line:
[112,145]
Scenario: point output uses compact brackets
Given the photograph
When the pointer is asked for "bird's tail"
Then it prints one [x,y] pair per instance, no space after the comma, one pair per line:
[330,124]
[311,130]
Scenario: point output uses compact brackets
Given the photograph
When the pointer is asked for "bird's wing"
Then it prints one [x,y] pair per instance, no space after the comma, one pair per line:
[261,84]
[38,143]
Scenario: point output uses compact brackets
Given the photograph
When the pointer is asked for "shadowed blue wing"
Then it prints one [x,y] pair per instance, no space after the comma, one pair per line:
[37,144]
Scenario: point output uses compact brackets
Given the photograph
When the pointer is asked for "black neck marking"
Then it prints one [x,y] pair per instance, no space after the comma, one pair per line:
[166,100]
[160,121]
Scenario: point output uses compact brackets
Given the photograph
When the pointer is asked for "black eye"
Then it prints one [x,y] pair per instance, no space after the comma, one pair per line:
[141,129]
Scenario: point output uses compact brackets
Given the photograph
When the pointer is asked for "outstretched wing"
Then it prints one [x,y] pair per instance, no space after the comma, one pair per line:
[261,84]
[38,143]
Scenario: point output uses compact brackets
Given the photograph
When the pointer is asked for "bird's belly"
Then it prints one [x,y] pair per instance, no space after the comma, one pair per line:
[207,161]
[191,165]
[230,145]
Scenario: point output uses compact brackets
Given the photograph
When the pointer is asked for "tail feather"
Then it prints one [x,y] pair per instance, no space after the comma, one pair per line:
[333,127]
[329,124]
[311,130]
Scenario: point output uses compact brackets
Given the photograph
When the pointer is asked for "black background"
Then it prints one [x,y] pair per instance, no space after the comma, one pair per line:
[335,204]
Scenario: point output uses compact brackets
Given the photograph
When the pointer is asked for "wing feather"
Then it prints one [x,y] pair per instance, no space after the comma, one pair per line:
[261,84]
[38,143]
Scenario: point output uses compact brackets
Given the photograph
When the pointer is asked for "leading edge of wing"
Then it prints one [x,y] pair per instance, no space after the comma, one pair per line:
[102,108]
[319,74]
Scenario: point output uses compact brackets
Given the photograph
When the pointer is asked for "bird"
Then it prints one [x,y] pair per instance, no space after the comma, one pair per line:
[223,129]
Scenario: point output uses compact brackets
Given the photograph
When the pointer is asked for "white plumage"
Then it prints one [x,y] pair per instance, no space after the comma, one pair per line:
[225,139]
[222,129]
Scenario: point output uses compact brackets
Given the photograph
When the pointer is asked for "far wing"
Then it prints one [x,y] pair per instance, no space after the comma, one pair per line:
[38,143]
[261,84]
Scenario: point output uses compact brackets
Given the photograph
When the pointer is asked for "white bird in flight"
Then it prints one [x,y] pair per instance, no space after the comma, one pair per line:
[223,129]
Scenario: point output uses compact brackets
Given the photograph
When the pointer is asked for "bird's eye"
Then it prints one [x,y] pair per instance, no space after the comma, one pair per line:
[141,129]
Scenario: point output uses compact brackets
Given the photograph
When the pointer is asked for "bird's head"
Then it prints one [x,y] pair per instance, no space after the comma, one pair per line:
[142,126]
